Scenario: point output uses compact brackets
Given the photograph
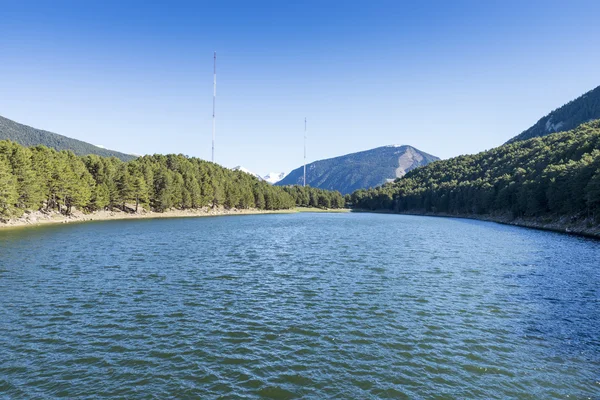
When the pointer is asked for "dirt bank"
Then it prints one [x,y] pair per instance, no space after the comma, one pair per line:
[37,218]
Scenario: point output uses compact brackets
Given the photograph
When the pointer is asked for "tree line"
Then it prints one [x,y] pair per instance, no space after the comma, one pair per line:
[554,175]
[306,196]
[34,178]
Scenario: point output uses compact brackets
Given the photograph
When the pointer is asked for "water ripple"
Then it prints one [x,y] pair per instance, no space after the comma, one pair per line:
[298,306]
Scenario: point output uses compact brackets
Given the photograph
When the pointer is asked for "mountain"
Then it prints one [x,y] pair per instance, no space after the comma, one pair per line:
[28,136]
[240,168]
[274,177]
[549,177]
[271,177]
[576,112]
[360,170]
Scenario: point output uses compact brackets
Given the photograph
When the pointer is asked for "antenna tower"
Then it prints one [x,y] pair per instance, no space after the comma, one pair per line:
[214,102]
[304,151]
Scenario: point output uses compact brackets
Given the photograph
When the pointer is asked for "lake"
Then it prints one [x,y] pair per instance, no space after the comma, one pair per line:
[311,306]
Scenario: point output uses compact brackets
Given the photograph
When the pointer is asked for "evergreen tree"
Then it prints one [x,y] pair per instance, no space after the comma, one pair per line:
[29,188]
[124,185]
[8,191]
[218,195]
[80,183]
[162,199]
[63,180]
[259,198]
[553,175]
[139,190]
[100,197]
[592,195]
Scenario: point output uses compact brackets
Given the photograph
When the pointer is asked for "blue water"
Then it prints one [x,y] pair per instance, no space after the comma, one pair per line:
[312,306]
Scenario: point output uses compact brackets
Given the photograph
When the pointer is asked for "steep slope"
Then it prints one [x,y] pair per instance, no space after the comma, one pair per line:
[549,177]
[360,170]
[583,109]
[28,136]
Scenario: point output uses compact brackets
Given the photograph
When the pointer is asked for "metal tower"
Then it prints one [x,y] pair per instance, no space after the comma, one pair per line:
[214,102]
[304,151]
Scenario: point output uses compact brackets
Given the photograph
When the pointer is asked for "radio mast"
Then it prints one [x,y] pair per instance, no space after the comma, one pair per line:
[214,101]
[304,151]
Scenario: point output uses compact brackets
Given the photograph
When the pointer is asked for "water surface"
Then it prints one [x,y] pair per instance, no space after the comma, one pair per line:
[298,306]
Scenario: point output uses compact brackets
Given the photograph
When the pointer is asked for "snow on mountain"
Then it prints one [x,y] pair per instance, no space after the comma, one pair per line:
[274,177]
[240,168]
[271,177]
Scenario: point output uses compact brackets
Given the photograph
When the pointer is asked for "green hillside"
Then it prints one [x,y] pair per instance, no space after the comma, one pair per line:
[554,175]
[32,178]
[28,136]
[581,110]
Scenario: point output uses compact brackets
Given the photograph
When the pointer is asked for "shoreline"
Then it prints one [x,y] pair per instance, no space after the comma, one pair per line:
[562,225]
[42,218]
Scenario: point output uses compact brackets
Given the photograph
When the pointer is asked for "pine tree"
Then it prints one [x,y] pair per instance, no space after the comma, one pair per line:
[29,188]
[100,197]
[80,183]
[124,185]
[42,162]
[259,198]
[192,187]
[218,195]
[180,196]
[8,190]
[140,190]
[163,199]
[592,195]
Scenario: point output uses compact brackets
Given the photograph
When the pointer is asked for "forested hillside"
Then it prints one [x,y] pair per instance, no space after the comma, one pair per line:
[40,177]
[28,136]
[583,109]
[306,196]
[364,169]
[554,175]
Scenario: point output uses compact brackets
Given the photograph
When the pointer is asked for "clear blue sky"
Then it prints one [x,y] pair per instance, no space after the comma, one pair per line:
[448,77]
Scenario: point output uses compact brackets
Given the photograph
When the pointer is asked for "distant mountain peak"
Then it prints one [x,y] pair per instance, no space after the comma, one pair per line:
[271,177]
[360,170]
[247,171]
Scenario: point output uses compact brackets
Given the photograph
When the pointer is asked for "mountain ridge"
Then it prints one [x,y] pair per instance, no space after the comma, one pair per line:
[359,170]
[580,110]
[26,135]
